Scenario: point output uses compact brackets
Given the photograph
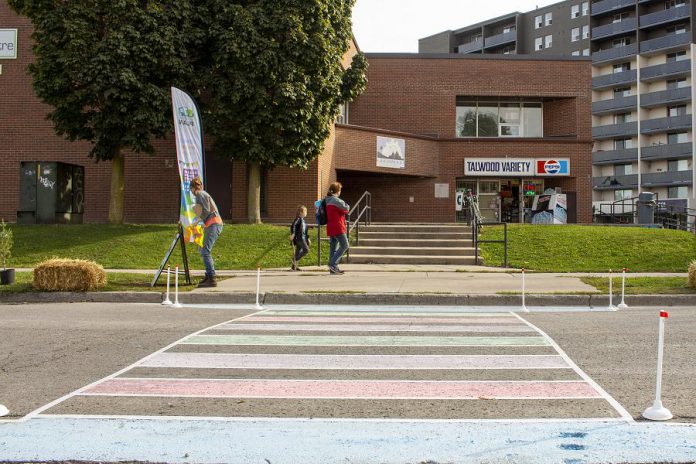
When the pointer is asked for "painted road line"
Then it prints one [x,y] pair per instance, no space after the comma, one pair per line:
[318,340]
[414,313]
[343,389]
[389,320]
[376,328]
[352,362]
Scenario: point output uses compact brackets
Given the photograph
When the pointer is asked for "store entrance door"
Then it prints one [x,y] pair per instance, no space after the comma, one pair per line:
[467,187]
[489,200]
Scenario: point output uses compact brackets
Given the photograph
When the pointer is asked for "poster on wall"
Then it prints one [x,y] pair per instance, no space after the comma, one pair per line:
[391,153]
[8,44]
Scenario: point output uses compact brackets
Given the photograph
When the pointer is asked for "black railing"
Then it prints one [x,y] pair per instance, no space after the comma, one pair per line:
[477,224]
[364,212]
[669,216]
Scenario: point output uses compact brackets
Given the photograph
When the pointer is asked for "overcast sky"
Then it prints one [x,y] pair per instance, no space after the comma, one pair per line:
[396,25]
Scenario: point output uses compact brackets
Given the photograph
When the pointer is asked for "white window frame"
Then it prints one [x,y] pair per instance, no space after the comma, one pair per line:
[539,43]
[586,31]
[548,41]
[548,19]
[585,8]
[538,22]
[621,194]
[576,53]
[574,11]
[586,52]
[575,34]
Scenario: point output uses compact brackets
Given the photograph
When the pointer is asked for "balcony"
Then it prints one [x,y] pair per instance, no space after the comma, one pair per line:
[471,47]
[614,54]
[613,80]
[608,6]
[615,156]
[615,105]
[615,182]
[666,151]
[667,179]
[665,17]
[665,97]
[665,43]
[655,126]
[610,30]
[500,39]
[670,70]
[624,130]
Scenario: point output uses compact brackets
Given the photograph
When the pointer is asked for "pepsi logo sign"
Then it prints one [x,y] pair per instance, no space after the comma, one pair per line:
[552,167]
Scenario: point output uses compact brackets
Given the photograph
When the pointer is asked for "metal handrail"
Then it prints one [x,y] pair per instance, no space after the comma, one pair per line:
[477,223]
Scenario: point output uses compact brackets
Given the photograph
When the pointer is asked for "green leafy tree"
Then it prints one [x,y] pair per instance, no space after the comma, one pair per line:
[272,80]
[105,66]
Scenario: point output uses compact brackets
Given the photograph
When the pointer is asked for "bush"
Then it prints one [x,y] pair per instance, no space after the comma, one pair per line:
[68,275]
[692,275]
[5,243]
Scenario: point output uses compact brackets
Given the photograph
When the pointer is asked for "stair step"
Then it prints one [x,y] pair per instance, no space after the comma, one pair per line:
[400,259]
[417,228]
[406,242]
[412,251]
[414,235]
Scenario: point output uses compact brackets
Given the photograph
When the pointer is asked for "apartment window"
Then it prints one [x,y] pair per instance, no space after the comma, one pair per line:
[574,11]
[623,169]
[676,110]
[586,32]
[586,52]
[621,67]
[575,34]
[538,43]
[538,22]
[622,92]
[677,192]
[576,53]
[342,117]
[507,29]
[620,195]
[622,42]
[676,30]
[621,118]
[677,56]
[623,144]
[678,137]
[617,18]
[677,165]
[548,18]
[548,41]
[585,8]
[674,4]
[509,50]
[499,119]
[673,84]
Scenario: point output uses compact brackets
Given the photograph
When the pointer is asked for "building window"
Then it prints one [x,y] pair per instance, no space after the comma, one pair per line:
[548,41]
[622,118]
[538,22]
[507,29]
[621,67]
[576,53]
[509,50]
[548,18]
[623,144]
[480,118]
[538,43]
[677,56]
[586,52]
[622,42]
[674,4]
[575,34]
[620,195]
[342,117]
[623,169]
[617,18]
[673,84]
[574,11]
[676,30]
[676,110]
[585,32]
[678,137]
[622,92]
[677,165]
[585,8]
[677,192]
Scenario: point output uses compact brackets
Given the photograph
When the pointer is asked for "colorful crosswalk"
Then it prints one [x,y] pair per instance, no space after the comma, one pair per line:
[363,363]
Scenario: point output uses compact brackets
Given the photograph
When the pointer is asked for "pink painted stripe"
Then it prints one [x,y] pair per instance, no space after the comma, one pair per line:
[405,320]
[343,389]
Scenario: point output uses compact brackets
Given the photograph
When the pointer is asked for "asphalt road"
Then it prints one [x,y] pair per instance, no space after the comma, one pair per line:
[47,351]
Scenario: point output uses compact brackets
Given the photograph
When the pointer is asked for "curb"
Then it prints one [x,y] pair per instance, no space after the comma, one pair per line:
[350,299]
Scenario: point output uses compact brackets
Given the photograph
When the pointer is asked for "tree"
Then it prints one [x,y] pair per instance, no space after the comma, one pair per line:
[105,66]
[272,80]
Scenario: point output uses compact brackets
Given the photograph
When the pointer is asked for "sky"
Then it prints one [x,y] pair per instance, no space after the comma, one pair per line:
[396,25]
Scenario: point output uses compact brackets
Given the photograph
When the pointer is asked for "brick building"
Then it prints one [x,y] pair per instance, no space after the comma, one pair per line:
[440,111]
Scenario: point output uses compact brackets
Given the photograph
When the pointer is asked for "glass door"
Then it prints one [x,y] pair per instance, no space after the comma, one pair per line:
[466,186]
[489,200]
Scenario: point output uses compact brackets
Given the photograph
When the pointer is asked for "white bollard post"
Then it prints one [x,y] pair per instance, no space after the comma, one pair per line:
[176,289]
[167,301]
[623,304]
[524,306]
[258,306]
[3,411]
[611,292]
[657,412]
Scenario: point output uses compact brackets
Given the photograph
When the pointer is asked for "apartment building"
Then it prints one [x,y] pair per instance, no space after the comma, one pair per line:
[642,65]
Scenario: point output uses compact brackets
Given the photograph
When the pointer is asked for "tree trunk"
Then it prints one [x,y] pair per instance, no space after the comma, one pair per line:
[254,194]
[117,189]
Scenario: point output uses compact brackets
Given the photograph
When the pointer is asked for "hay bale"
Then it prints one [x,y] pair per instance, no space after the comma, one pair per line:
[61,275]
[692,275]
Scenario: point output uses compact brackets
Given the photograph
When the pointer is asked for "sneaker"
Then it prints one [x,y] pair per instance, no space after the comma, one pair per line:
[339,271]
[333,270]
[207,282]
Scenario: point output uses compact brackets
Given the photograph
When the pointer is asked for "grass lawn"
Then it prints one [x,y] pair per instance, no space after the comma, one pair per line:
[144,246]
[115,282]
[643,285]
[574,248]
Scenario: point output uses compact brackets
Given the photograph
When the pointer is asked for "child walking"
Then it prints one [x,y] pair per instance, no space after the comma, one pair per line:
[298,237]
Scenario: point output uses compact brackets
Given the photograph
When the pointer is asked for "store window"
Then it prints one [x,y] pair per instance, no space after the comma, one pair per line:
[496,118]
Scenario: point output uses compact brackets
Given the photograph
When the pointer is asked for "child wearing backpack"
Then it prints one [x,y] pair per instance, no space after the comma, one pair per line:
[298,237]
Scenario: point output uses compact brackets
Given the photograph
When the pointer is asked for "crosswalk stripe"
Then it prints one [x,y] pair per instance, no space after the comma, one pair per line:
[414,313]
[388,320]
[376,328]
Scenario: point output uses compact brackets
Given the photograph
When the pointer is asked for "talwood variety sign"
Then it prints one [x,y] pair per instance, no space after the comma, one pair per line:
[8,44]
[516,167]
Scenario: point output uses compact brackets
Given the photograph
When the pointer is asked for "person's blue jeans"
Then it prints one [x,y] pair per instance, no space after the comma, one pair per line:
[337,246]
[210,235]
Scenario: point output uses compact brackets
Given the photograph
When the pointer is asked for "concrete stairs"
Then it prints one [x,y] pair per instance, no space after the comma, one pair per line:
[413,244]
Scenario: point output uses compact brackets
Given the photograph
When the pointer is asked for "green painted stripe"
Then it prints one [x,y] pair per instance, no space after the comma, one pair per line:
[301,340]
[379,313]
